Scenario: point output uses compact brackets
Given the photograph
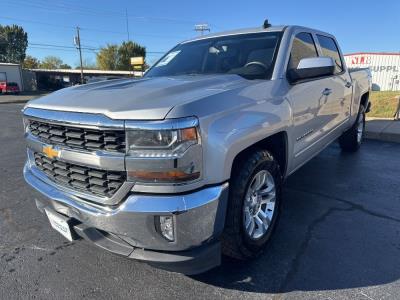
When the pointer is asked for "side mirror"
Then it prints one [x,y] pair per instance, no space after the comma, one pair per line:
[312,67]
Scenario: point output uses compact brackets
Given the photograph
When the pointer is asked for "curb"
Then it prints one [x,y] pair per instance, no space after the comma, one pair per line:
[22,98]
[14,102]
[388,131]
[384,137]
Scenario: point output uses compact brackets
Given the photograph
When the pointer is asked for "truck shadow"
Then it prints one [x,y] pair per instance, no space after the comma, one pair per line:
[339,228]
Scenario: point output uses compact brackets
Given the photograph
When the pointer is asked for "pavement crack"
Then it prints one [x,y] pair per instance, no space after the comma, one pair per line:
[304,245]
[354,206]
[295,264]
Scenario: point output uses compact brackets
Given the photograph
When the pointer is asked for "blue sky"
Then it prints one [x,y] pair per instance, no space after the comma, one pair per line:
[358,25]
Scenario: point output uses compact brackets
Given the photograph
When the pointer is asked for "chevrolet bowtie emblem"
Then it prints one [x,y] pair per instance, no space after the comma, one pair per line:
[50,152]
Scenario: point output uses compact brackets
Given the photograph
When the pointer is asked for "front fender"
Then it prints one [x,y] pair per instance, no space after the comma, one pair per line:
[236,131]
[234,120]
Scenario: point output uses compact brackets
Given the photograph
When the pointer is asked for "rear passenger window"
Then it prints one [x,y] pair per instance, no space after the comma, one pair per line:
[303,47]
[329,48]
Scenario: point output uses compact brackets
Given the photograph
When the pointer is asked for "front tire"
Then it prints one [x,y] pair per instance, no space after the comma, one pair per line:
[351,140]
[253,207]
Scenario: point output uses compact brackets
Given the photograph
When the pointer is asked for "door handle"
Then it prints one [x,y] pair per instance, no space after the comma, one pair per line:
[326,92]
[348,84]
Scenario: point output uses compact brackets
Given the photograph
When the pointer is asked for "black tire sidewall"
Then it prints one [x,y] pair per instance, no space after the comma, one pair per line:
[250,247]
[361,115]
[349,141]
[272,167]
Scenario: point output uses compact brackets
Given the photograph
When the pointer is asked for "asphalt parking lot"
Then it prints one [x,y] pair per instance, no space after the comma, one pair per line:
[338,238]
[20,98]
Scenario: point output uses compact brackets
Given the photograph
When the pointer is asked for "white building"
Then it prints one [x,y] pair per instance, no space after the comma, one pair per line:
[11,73]
[385,68]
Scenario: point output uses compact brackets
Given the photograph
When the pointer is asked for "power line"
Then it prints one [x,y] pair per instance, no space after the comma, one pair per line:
[56,46]
[95,12]
[36,22]
[63,9]
[88,29]
[57,49]
[63,46]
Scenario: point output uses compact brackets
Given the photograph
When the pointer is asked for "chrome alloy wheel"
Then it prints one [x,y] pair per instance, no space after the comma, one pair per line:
[259,205]
[360,129]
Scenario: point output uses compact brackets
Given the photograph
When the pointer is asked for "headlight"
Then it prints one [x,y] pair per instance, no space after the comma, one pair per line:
[26,124]
[161,143]
[163,151]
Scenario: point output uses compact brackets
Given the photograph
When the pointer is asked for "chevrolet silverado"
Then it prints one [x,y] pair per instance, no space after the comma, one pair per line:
[188,162]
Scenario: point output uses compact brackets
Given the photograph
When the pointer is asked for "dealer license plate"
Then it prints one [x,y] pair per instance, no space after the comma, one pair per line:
[60,223]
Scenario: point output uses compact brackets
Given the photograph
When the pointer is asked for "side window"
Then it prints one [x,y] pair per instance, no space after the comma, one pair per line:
[303,47]
[329,48]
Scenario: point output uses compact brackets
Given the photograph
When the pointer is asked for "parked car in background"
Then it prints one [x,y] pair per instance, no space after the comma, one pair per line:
[189,161]
[9,88]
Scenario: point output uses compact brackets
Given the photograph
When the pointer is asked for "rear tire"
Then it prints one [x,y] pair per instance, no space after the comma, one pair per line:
[252,213]
[351,140]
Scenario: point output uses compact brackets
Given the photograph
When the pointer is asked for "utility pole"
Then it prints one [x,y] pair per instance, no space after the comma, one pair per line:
[202,28]
[127,23]
[77,41]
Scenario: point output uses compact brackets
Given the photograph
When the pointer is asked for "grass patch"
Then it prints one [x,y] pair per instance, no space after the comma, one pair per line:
[384,104]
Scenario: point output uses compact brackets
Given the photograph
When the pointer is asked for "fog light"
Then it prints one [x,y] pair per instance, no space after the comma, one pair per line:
[167,227]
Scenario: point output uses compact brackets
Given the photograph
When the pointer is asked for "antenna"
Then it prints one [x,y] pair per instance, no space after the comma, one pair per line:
[266,24]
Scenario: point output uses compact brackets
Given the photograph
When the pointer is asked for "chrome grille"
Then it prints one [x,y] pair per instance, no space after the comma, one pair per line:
[90,180]
[76,137]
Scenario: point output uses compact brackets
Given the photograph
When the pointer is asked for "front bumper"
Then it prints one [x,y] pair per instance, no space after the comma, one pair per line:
[129,228]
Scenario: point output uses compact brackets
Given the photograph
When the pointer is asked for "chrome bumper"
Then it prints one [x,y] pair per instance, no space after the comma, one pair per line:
[198,216]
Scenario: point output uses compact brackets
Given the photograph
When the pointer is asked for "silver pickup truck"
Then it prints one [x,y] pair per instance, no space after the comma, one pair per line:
[187,163]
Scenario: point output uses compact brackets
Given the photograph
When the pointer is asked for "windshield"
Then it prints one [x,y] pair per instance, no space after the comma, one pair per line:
[248,55]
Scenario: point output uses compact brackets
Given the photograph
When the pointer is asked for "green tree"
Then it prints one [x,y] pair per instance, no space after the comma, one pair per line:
[107,58]
[126,51]
[114,57]
[51,62]
[30,62]
[65,66]
[13,44]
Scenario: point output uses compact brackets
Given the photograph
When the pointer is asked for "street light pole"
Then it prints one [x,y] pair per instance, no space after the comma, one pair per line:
[201,28]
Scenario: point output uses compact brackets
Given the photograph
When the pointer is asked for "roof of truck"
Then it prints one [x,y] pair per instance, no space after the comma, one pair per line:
[254,30]
[238,31]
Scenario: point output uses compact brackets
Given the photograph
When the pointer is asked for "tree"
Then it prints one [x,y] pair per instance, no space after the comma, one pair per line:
[114,57]
[30,62]
[107,58]
[65,66]
[51,62]
[14,41]
[126,51]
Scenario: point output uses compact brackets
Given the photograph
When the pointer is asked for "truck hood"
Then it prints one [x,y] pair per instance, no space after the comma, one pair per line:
[143,99]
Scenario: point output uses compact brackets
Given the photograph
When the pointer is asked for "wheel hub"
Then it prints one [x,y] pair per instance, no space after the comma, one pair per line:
[255,204]
[259,205]
[360,129]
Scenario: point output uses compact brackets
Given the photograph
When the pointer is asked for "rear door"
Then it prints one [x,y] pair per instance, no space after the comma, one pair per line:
[314,103]
[340,83]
